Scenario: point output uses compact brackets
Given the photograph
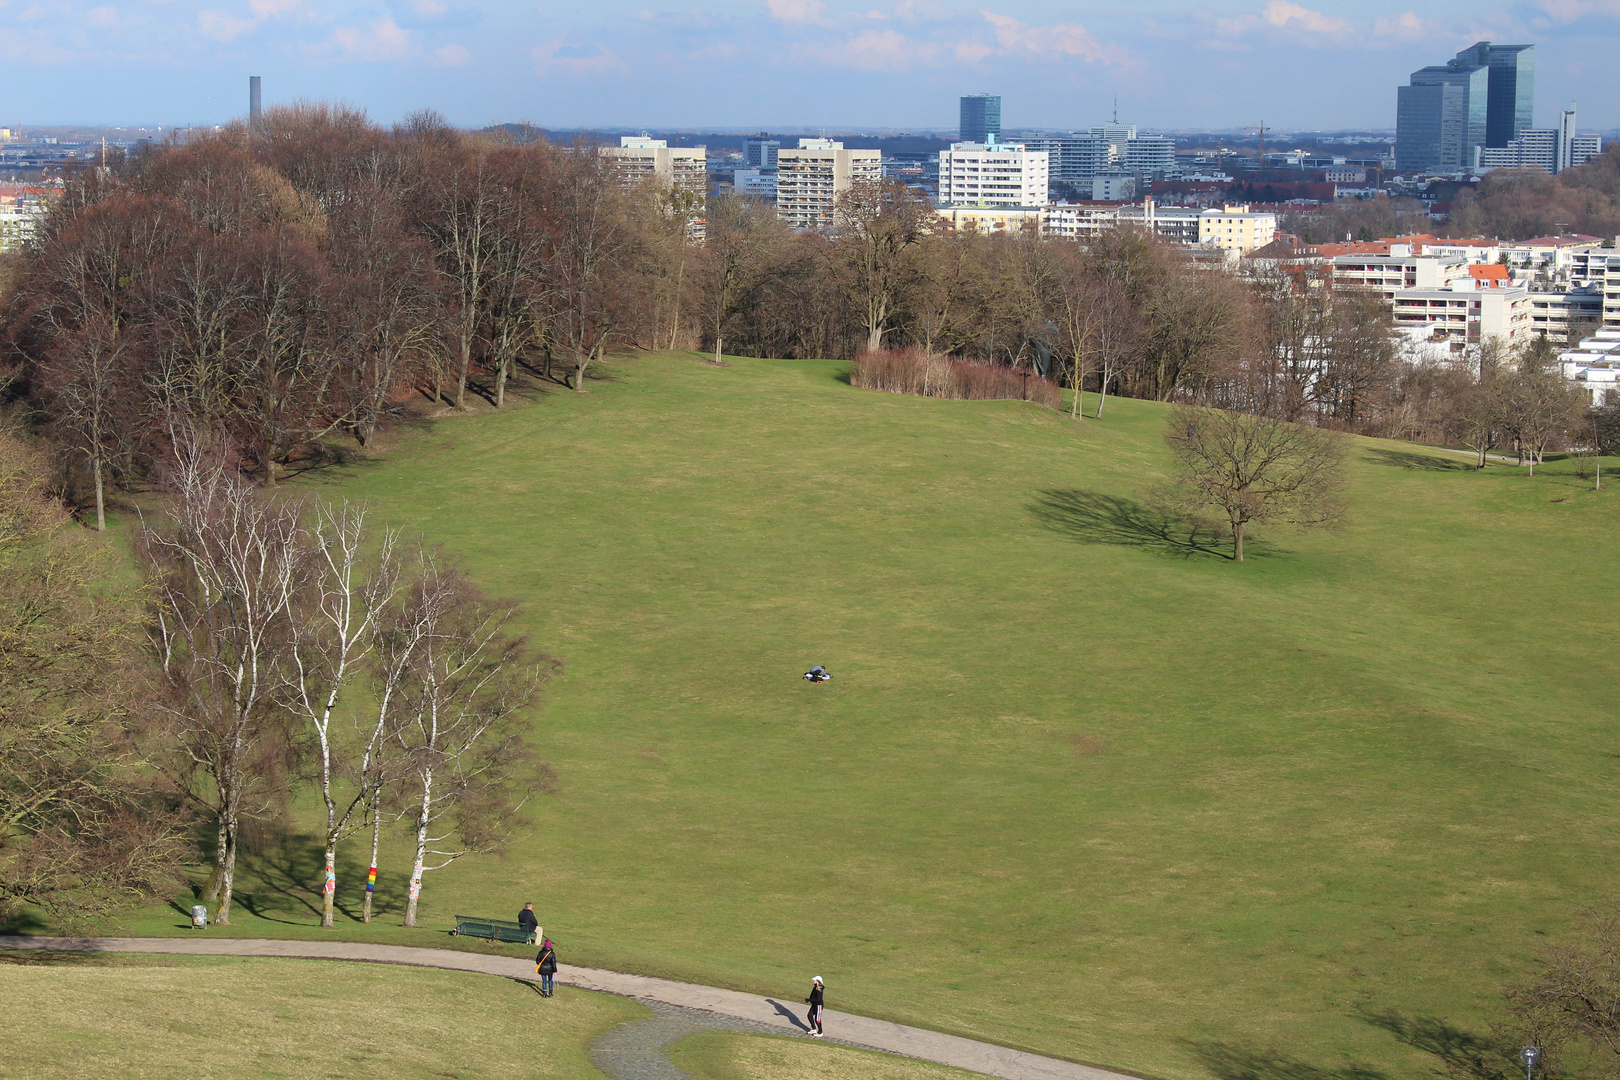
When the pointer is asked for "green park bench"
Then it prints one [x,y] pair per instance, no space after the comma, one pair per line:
[493,929]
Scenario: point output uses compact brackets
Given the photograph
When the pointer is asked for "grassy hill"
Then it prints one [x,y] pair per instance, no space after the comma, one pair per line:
[1081,784]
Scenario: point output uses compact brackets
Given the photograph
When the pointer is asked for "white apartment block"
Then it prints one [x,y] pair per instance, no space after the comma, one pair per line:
[1178,225]
[1113,186]
[1463,313]
[1594,366]
[993,219]
[638,159]
[993,174]
[757,182]
[810,179]
[1081,221]
[1400,269]
[1558,313]
[1235,229]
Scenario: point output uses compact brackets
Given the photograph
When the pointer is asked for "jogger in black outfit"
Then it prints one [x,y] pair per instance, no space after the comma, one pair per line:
[814,1001]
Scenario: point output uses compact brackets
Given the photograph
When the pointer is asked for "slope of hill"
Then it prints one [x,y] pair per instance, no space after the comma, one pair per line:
[1080,784]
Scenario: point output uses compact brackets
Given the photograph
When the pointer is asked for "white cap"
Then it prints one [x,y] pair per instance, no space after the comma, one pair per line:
[815,978]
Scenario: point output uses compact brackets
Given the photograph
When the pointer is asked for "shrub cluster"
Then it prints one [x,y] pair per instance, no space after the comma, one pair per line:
[912,371]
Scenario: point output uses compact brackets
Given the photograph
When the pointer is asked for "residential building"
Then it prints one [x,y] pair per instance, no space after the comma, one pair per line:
[1576,259]
[1462,313]
[759,152]
[1552,149]
[810,178]
[1560,314]
[1149,154]
[1073,159]
[1114,184]
[1400,269]
[992,219]
[993,174]
[1081,221]
[1236,229]
[981,119]
[685,168]
[1594,366]
[1179,225]
[1483,97]
[758,182]
[22,208]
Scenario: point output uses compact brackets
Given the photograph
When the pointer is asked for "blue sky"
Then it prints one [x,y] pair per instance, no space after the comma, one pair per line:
[775,63]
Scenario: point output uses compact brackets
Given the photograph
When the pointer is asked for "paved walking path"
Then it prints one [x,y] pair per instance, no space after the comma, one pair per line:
[772,1015]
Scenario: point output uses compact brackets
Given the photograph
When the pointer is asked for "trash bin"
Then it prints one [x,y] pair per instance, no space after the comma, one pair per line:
[199,916]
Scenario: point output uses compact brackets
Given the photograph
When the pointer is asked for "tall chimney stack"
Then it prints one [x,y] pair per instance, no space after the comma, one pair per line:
[253,101]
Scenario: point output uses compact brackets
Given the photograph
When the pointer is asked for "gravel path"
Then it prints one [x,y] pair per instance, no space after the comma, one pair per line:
[631,1051]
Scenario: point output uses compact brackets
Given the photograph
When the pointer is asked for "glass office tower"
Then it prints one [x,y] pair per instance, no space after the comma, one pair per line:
[1486,96]
[981,118]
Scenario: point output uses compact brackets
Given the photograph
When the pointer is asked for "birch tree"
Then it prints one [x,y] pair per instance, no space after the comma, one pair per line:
[462,723]
[334,630]
[223,576]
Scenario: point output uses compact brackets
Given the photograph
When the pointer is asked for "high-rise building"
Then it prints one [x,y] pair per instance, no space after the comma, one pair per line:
[993,174]
[1552,149]
[1511,97]
[759,152]
[1483,97]
[810,179]
[981,119]
[253,100]
[681,168]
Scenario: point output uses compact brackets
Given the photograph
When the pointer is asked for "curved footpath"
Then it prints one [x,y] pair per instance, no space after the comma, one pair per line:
[762,1013]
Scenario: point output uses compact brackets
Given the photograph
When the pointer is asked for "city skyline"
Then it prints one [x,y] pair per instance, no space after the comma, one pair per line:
[733,64]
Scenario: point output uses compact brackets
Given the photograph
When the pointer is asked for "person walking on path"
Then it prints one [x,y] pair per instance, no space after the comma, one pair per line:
[527,920]
[814,1001]
[546,965]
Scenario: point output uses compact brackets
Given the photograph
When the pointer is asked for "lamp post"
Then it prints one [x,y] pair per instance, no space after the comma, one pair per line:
[1025,374]
[1529,1055]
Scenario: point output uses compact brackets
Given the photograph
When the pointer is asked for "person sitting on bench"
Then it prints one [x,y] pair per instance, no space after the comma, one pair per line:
[818,674]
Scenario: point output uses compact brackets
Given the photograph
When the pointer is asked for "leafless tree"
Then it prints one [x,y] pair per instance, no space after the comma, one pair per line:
[345,595]
[879,224]
[743,236]
[223,576]
[81,830]
[1253,468]
[461,723]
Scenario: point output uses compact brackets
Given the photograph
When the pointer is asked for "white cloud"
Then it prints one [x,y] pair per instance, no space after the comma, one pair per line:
[1065,39]
[452,55]
[1283,14]
[588,58]
[102,17]
[223,27]
[1405,26]
[797,11]
[876,50]
[384,39]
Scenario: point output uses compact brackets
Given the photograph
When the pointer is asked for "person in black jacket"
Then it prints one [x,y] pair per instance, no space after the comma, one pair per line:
[546,965]
[529,923]
[814,1000]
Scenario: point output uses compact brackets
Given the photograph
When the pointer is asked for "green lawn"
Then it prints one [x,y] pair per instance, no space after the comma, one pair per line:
[123,1018]
[716,1055]
[1079,785]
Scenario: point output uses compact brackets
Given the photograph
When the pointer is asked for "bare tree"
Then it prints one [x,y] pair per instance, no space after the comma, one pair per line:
[461,723]
[80,828]
[742,237]
[1253,468]
[223,578]
[1118,336]
[879,224]
[335,625]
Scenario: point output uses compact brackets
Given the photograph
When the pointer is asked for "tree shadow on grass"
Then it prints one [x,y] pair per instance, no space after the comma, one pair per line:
[1460,1052]
[1228,1061]
[1407,459]
[285,879]
[1094,518]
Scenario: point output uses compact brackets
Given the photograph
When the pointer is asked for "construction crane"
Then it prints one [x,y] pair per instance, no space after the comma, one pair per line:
[1262,129]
